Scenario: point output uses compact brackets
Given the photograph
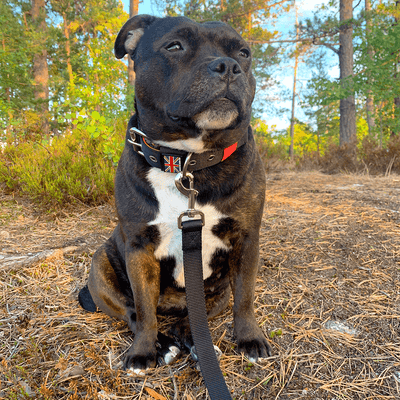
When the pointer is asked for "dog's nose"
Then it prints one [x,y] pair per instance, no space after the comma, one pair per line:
[225,68]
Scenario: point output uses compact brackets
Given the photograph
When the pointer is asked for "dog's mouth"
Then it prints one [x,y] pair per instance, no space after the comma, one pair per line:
[220,114]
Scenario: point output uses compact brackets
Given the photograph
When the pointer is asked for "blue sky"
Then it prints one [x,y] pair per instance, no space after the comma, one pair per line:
[284,74]
[145,7]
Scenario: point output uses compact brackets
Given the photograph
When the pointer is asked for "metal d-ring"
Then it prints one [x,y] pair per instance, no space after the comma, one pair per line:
[186,165]
[185,174]
[179,184]
[191,193]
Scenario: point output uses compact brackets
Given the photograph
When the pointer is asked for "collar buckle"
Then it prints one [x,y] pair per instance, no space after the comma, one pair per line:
[135,140]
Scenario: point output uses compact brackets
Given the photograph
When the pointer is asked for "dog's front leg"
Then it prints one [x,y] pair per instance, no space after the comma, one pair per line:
[144,275]
[251,340]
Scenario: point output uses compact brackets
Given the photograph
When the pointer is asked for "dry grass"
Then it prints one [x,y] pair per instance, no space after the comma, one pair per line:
[330,251]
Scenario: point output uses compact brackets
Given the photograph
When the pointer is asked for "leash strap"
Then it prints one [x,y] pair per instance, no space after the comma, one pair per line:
[196,304]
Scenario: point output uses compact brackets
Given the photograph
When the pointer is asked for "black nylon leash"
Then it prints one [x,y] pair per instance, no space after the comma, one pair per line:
[196,305]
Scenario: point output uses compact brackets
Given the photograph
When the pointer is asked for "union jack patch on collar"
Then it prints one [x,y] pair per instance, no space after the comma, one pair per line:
[172,164]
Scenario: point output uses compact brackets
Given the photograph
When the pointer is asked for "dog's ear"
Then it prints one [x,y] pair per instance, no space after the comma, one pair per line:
[130,34]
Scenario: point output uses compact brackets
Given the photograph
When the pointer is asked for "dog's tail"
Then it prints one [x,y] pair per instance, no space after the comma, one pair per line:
[86,300]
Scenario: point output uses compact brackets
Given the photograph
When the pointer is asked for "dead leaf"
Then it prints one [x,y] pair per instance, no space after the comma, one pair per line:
[154,394]
[62,364]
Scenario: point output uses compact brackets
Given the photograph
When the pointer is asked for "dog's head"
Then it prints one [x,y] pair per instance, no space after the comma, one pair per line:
[194,85]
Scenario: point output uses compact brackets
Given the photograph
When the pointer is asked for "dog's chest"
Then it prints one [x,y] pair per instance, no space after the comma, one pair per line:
[171,204]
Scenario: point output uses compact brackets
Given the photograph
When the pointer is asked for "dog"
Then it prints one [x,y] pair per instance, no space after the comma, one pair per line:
[194,90]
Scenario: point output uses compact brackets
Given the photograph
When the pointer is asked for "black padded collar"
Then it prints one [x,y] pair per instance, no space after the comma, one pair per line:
[172,160]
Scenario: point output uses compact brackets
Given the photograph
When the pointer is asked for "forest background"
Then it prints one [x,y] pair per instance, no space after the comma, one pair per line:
[65,99]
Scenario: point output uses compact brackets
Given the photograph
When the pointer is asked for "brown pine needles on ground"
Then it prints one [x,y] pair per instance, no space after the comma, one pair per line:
[327,297]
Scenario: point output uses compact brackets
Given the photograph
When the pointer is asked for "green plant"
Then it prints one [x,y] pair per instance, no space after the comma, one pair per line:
[67,169]
[268,143]
[276,333]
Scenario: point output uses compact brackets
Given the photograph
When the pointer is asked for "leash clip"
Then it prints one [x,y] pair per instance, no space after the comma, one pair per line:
[191,193]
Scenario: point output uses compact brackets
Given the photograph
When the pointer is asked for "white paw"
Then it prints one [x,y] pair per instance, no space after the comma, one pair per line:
[258,360]
[193,353]
[136,371]
[262,360]
[171,355]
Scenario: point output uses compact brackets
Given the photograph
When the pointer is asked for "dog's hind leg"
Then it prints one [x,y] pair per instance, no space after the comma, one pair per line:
[105,289]
[86,300]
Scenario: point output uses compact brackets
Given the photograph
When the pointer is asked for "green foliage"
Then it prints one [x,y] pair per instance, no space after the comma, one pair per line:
[83,72]
[111,131]
[269,144]
[87,104]
[16,89]
[377,52]
[63,170]
[376,55]
[306,140]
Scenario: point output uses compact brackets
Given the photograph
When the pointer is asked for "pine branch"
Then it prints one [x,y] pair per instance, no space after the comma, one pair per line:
[313,41]
[233,15]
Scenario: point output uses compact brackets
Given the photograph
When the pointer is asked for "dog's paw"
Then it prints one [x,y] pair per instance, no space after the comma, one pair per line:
[138,372]
[168,350]
[138,363]
[193,353]
[251,340]
[254,349]
[195,358]
[167,355]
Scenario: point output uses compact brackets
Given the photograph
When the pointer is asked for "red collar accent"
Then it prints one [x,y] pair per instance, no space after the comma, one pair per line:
[229,151]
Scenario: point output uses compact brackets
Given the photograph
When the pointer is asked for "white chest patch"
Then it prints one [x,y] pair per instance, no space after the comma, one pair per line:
[171,204]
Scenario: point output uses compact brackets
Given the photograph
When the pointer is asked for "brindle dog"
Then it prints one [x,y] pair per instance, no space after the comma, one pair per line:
[193,94]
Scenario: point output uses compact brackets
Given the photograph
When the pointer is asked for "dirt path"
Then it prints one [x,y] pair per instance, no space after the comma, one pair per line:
[328,297]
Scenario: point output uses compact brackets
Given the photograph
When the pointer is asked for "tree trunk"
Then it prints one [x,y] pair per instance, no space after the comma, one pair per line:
[296,61]
[68,49]
[40,67]
[133,10]
[396,129]
[369,103]
[347,106]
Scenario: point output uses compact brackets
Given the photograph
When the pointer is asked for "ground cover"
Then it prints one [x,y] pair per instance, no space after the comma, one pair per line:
[327,297]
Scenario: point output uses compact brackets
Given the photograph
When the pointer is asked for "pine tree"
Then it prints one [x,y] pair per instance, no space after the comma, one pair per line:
[40,65]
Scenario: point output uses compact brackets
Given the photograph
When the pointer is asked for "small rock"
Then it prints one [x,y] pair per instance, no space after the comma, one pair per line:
[103,395]
[74,371]
[341,327]
[4,235]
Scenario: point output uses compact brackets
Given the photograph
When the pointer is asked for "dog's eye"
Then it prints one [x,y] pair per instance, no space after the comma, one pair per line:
[174,46]
[244,53]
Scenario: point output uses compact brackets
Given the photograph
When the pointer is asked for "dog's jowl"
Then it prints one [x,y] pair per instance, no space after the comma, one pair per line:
[193,94]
